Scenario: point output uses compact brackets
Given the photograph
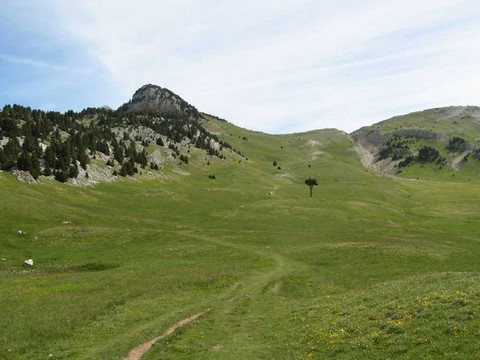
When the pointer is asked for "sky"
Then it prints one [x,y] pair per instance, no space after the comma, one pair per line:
[269,65]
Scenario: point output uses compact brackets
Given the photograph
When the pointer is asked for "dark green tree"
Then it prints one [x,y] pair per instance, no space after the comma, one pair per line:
[127,168]
[35,166]
[10,154]
[118,152]
[428,154]
[311,183]
[24,161]
[47,171]
[61,175]
[49,157]
[73,171]
[141,158]
[83,158]
[456,144]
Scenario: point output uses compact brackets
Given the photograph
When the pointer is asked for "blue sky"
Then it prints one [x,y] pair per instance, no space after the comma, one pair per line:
[275,66]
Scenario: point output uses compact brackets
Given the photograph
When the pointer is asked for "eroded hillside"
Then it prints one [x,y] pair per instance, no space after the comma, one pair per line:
[442,143]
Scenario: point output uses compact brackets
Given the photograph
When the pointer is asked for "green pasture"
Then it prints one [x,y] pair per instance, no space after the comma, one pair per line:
[371,267]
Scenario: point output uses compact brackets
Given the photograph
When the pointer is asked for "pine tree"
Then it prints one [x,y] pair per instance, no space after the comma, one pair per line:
[10,152]
[35,166]
[73,171]
[118,153]
[311,183]
[47,171]
[123,170]
[49,157]
[83,157]
[61,175]
[24,161]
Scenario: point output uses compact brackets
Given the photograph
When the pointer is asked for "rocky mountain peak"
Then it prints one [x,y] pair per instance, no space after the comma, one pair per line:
[155,99]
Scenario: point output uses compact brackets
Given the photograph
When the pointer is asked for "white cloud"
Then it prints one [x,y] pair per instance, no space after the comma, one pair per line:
[287,65]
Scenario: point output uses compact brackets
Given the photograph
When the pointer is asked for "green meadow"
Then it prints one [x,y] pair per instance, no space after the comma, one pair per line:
[370,267]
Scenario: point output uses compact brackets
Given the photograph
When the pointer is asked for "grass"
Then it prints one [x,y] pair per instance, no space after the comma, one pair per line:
[447,123]
[370,267]
[451,123]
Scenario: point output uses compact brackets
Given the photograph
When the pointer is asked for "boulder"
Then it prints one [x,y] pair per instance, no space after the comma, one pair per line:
[28,262]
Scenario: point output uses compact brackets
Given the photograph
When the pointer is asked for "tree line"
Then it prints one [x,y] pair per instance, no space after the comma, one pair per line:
[57,144]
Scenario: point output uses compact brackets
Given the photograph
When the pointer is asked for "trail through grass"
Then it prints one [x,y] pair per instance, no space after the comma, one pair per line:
[370,267]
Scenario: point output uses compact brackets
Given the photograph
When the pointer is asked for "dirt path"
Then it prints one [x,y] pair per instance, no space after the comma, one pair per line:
[248,286]
[140,350]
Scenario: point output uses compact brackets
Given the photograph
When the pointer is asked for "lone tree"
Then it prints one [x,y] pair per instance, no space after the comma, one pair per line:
[310,182]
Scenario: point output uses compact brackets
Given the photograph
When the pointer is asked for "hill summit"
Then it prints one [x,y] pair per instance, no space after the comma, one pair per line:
[155,99]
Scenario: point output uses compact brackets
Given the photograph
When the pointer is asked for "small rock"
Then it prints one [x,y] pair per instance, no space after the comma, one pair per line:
[24,176]
[66,222]
[218,347]
[3,259]
[50,356]
[28,262]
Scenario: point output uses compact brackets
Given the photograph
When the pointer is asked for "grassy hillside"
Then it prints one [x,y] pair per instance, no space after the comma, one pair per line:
[452,121]
[370,267]
[453,132]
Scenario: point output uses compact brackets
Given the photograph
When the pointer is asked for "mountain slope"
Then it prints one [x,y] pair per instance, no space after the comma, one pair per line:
[157,128]
[441,143]
[97,144]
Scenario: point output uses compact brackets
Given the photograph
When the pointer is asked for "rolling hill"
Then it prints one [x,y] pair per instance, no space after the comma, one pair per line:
[448,138]
[372,266]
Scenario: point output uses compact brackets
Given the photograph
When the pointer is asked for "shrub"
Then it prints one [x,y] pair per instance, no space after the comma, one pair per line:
[456,144]
[406,162]
[61,175]
[428,154]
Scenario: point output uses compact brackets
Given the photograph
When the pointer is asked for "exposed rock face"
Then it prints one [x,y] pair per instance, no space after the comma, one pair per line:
[155,99]
[24,176]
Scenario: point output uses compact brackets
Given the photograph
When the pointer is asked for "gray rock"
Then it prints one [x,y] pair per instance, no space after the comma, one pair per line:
[152,98]
[24,176]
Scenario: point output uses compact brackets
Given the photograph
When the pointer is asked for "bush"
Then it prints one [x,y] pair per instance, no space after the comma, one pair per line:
[428,154]
[406,162]
[184,158]
[476,154]
[61,175]
[456,144]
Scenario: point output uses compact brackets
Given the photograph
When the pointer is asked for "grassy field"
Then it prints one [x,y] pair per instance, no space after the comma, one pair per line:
[370,267]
